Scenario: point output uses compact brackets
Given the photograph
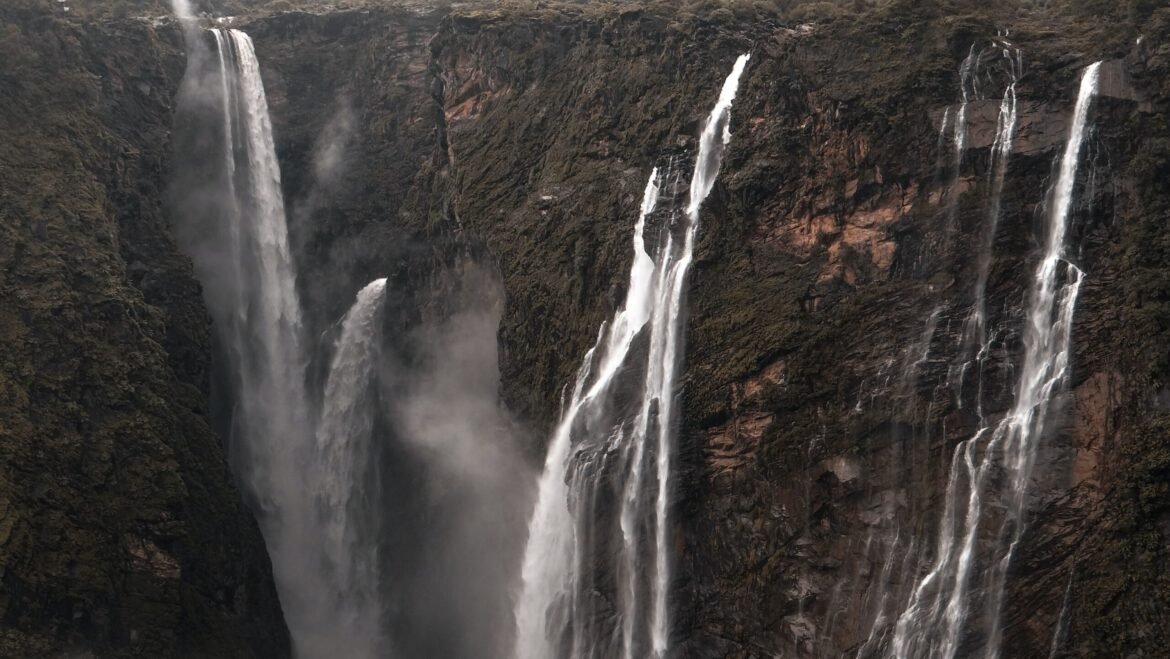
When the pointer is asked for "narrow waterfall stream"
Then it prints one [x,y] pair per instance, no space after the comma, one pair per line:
[606,448]
[977,339]
[936,620]
[968,91]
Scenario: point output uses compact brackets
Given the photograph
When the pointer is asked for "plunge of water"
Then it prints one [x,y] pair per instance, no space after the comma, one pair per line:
[295,478]
[605,449]
[347,482]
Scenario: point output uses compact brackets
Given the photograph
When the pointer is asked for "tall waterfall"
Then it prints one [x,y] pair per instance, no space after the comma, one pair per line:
[344,439]
[935,622]
[251,290]
[238,241]
[258,314]
[609,450]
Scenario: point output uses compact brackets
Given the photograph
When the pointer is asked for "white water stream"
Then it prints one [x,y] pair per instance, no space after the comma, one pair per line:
[604,444]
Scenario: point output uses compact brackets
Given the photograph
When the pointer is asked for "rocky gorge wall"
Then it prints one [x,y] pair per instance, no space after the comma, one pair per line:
[519,140]
[121,533]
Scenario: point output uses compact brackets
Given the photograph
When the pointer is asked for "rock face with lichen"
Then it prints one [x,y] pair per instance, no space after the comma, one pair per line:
[839,238]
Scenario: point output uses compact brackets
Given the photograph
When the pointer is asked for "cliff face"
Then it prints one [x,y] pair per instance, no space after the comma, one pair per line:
[837,254]
[120,531]
[826,252]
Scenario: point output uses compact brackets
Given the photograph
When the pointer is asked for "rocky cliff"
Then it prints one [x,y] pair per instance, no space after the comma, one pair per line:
[838,248]
[121,533]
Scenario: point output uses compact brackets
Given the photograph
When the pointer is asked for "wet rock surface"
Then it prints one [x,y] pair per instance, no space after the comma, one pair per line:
[521,140]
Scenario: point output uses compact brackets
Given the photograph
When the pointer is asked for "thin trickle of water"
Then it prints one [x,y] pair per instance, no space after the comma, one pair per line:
[940,149]
[344,438]
[968,91]
[976,338]
[1060,634]
[894,547]
[597,447]
[968,80]
[936,619]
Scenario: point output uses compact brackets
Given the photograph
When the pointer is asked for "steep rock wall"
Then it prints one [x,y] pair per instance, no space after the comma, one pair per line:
[825,252]
[522,139]
[120,531]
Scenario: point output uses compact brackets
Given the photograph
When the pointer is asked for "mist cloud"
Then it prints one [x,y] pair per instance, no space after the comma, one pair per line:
[478,486]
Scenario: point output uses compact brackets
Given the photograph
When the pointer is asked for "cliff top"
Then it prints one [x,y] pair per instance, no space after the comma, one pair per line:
[791,9]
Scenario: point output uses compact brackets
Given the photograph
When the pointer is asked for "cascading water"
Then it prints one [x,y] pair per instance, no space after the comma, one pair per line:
[893,548]
[244,262]
[606,449]
[887,544]
[935,622]
[344,438]
[968,87]
[1047,341]
[322,564]
[258,313]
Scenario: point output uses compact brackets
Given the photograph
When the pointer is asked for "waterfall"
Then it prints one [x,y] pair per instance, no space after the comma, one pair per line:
[256,308]
[1060,634]
[1047,341]
[237,237]
[886,594]
[548,571]
[935,620]
[344,444]
[968,79]
[605,448]
[940,148]
[975,336]
[894,547]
